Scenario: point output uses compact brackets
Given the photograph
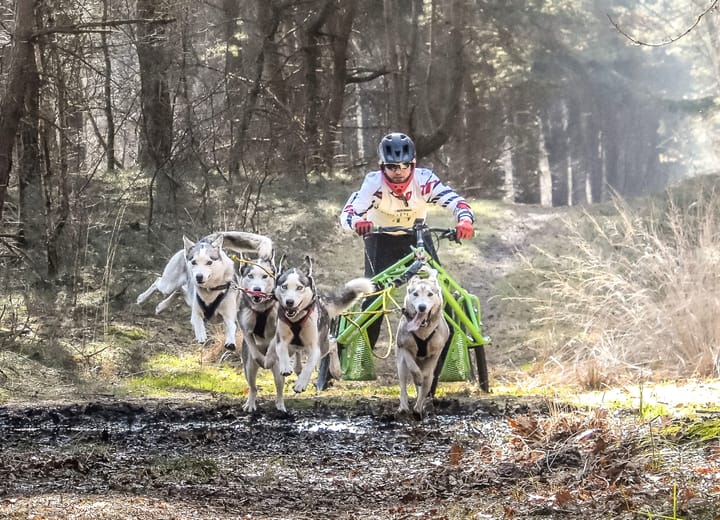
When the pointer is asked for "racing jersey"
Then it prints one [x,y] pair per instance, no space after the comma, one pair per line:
[375,201]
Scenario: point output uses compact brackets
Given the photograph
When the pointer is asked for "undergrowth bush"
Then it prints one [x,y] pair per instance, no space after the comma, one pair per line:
[637,295]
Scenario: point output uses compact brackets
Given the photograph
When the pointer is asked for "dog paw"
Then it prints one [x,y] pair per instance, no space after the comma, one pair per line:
[249,407]
[299,387]
[230,347]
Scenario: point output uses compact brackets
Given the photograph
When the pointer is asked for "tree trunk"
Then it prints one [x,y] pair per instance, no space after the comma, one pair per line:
[31,232]
[313,97]
[428,143]
[109,118]
[156,131]
[342,28]
[234,89]
[22,63]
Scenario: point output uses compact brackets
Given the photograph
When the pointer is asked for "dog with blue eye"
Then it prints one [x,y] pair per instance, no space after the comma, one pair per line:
[304,316]
[206,276]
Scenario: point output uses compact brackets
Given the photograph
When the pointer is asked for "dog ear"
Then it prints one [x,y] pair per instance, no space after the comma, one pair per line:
[432,273]
[308,266]
[218,241]
[272,262]
[280,264]
[188,243]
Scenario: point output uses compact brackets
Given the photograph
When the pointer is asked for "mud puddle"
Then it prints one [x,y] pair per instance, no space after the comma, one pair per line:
[214,453]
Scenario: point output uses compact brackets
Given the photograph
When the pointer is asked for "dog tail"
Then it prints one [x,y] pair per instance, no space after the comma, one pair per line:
[244,242]
[349,294]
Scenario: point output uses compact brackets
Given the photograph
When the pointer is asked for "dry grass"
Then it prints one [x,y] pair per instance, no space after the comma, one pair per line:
[636,295]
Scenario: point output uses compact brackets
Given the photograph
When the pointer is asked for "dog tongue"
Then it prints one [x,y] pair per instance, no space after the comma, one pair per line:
[417,321]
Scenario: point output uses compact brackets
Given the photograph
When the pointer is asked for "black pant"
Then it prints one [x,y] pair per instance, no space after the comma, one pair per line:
[382,251]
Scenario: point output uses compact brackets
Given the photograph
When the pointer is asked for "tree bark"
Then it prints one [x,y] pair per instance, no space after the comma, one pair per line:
[156,131]
[313,97]
[107,86]
[31,225]
[22,61]
[427,143]
[342,28]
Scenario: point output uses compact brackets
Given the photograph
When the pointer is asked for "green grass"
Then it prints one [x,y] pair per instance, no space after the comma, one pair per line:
[166,374]
[694,429]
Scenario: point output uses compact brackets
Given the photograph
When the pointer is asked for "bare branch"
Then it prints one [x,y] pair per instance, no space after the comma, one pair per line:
[366,75]
[97,26]
[672,39]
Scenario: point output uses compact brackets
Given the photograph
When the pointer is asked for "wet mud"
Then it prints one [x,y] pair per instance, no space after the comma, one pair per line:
[322,460]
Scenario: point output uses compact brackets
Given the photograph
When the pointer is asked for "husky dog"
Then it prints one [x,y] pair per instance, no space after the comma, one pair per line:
[421,335]
[304,319]
[205,275]
[258,318]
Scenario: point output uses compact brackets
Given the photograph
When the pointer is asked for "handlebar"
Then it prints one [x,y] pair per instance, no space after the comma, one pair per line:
[418,230]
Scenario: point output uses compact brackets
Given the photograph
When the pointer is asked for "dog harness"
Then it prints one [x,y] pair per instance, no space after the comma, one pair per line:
[421,343]
[210,308]
[296,326]
[260,317]
[260,322]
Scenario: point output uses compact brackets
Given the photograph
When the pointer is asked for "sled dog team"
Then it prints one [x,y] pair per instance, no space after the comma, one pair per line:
[282,317]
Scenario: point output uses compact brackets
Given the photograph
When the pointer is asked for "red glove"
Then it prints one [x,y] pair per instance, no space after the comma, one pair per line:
[363,227]
[464,229]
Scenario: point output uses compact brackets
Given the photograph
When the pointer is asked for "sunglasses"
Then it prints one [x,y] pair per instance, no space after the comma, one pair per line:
[402,166]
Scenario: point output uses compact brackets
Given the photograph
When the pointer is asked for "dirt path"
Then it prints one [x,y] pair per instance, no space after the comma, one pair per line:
[168,459]
[479,458]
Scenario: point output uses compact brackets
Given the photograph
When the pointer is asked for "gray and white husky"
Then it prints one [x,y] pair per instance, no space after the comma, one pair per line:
[421,335]
[258,320]
[206,276]
[304,320]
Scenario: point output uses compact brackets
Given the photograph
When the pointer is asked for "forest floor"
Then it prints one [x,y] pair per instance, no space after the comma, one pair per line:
[96,450]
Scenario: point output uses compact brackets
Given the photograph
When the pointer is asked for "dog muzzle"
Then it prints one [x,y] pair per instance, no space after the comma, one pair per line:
[258,296]
[418,321]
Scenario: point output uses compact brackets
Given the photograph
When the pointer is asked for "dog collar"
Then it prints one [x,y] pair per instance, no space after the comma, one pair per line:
[302,320]
[222,287]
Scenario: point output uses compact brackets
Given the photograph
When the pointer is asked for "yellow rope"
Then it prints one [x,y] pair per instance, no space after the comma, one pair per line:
[250,262]
[385,294]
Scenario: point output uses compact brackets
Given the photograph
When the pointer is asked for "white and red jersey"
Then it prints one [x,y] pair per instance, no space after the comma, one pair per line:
[376,202]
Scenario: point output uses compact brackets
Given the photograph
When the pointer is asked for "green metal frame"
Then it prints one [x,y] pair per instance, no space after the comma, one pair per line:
[462,309]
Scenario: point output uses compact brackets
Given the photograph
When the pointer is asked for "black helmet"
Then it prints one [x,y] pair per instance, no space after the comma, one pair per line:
[396,148]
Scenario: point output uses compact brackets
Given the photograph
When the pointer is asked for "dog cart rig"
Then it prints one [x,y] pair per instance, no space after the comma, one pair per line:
[461,310]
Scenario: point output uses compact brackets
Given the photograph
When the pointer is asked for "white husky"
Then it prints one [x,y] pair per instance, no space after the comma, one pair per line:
[258,320]
[303,324]
[205,274]
[421,335]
